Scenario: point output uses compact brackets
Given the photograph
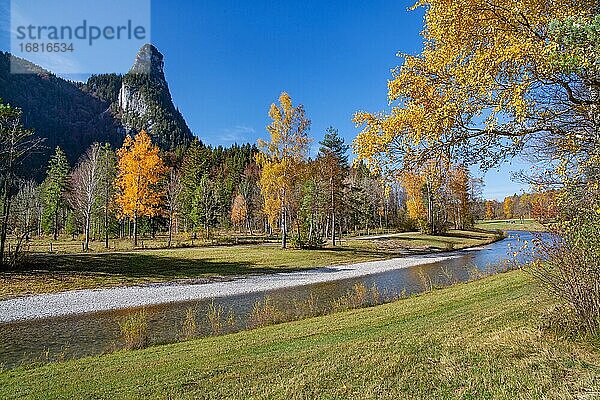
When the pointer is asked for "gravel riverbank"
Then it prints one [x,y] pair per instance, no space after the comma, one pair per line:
[85,301]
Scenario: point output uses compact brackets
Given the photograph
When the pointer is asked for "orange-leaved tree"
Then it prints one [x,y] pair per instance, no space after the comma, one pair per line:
[138,182]
[508,207]
[239,211]
[489,210]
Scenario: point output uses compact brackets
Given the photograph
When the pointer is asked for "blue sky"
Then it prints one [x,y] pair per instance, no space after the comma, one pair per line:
[227,61]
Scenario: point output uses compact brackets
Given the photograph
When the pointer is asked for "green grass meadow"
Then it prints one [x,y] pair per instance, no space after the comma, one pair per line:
[480,340]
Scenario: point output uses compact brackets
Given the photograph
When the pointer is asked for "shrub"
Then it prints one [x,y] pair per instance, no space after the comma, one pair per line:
[214,317]
[449,277]
[562,321]
[264,313]
[425,279]
[569,267]
[309,307]
[134,330]
[217,320]
[303,242]
[188,328]
[375,295]
[354,298]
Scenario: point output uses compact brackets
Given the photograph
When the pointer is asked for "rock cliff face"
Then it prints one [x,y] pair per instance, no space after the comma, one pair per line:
[149,63]
[145,101]
[73,115]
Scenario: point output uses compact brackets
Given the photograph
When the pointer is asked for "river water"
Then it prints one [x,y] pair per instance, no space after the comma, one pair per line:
[76,336]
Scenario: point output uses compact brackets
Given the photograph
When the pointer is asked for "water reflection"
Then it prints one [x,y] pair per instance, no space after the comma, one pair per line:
[90,334]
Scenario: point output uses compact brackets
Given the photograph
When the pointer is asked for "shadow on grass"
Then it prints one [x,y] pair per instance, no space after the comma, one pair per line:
[386,248]
[478,234]
[138,265]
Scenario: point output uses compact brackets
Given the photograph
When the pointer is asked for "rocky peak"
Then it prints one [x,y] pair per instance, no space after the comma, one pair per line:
[149,61]
[145,102]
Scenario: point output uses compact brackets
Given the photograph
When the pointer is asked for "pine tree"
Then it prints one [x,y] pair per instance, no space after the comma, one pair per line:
[108,174]
[54,188]
[334,144]
[333,159]
[205,205]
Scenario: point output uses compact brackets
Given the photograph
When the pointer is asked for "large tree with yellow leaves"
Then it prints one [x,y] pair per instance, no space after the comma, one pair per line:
[502,77]
[493,76]
[140,172]
[281,160]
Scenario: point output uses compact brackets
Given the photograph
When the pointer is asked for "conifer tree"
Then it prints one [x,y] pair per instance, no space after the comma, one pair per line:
[333,159]
[54,188]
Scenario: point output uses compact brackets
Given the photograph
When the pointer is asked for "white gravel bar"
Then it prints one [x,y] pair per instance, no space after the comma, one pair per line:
[85,301]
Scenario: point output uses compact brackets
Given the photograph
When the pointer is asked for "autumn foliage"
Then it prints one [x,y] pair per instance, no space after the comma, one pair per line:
[493,76]
[140,171]
[281,160]
[413,185]
[239,211]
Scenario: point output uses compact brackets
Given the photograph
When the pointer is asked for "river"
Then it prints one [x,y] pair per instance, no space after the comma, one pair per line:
[75,336]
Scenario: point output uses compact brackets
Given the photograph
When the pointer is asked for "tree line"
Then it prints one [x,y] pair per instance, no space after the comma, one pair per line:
[275,188]
[541,206]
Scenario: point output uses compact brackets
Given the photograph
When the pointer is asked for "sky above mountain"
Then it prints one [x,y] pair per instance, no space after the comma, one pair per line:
[227,61]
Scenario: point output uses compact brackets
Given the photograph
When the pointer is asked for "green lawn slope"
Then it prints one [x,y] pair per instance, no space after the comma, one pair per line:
[478,340]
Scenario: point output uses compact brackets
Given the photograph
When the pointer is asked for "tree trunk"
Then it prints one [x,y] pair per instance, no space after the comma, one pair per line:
[170,229]
[430,214]
[333,228]
[106,223]
[298,228]
[55,234]
[331,183]
[39,221]
[4,228]
[87,232]
[135,243]
[283,228]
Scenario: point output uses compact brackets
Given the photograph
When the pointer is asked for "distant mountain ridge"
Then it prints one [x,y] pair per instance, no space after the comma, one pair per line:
[73,115]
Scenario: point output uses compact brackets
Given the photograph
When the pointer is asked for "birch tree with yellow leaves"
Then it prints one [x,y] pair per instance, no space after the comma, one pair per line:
[140,171]
[493,76]
[497,78]
[413,186]
[281,159]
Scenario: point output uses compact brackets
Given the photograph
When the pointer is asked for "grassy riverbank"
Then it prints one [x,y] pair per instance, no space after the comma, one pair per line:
[529,225]
[475,340]
[48,273]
